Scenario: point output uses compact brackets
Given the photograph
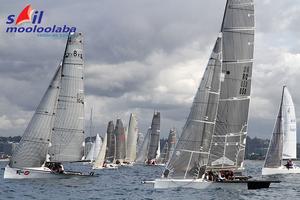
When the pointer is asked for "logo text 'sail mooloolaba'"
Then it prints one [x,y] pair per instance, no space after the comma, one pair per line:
[34,18]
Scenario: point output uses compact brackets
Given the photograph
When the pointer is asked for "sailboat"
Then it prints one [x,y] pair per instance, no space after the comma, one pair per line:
[119,133]
[132,139]
[55,133]
[214,136]
[154,143]
[283,143]
[111,143]
[143,151]
[168,148]
[94,150]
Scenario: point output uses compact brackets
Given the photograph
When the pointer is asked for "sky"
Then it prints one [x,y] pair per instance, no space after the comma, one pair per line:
[145,55]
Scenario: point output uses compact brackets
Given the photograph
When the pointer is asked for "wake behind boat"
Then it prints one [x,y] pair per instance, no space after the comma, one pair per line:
[210,150]
[283,143]
[55,133]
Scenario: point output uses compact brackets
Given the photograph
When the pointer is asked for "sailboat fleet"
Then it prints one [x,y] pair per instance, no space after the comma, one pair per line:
[212,142]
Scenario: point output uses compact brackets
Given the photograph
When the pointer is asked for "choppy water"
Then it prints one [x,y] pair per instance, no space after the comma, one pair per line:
[125,183]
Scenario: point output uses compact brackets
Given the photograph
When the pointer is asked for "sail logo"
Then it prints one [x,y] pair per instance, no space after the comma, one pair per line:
[29,20]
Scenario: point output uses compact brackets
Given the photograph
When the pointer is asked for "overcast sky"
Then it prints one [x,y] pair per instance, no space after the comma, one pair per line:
[145,55]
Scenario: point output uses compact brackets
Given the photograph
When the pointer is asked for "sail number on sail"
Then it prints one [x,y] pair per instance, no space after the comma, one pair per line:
[74,54]
[243,89]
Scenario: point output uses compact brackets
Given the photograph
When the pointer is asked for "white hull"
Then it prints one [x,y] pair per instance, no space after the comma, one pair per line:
[196,184]
[280,170]
[28,173]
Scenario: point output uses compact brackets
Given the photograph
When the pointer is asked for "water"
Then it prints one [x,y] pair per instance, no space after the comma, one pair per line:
[125,183]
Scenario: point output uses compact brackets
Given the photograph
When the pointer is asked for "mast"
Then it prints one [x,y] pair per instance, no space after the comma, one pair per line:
[33,147]
[91,124]
[191,152]
[274,154]
[68,131]
[229,139]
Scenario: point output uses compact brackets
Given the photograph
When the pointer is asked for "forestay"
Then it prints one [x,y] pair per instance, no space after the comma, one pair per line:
[33,147]
[192,148]
[68,132]
[229,139]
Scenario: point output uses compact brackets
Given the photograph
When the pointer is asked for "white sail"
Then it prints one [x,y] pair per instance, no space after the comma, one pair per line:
[283,134]
[90,155]
[289,126]
[132,138]
[33,147]
[98,143]
[98,164]
[68,131]
[158,150]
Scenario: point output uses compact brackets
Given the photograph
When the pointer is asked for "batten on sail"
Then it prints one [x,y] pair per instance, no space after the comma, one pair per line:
[33,147]
[68,131]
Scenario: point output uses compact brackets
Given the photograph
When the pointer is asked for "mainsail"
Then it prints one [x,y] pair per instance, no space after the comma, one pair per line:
[68,132]
[289,126]
[132,139]
[229,138]
[33,147]
[120,141]
[171,144]
[154,136]
[193,145]
[111,142]
[274,154]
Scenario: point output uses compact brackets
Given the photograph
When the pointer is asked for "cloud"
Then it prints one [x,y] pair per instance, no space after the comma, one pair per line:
[142,56]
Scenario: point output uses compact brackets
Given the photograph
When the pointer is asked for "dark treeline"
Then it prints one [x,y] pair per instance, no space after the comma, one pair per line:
[256,148]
